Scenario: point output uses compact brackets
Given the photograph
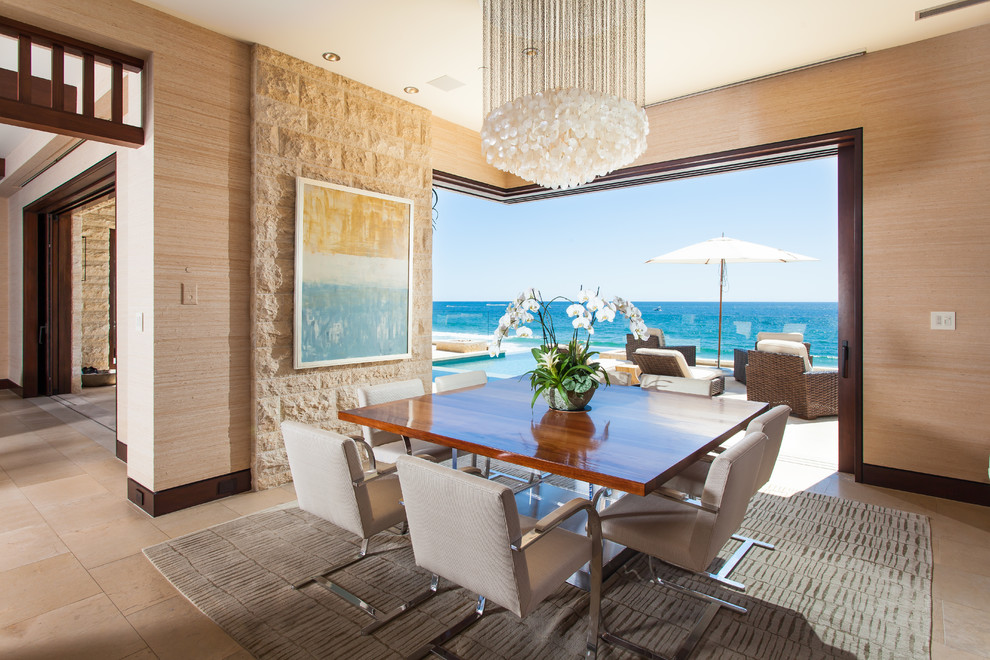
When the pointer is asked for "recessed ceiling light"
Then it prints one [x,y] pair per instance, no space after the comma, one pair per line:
[331,57]
[531,51]
[411,90]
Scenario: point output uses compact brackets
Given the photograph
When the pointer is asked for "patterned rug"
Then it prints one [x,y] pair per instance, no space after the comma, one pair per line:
[847,580]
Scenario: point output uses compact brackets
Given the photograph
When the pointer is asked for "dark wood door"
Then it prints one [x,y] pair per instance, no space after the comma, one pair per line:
[55,333]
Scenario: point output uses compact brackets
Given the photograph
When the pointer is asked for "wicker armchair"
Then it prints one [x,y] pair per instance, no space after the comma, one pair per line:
[777,379]
[670,362]
[657,341]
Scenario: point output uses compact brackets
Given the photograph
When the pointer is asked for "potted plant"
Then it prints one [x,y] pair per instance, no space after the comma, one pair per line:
[566,375]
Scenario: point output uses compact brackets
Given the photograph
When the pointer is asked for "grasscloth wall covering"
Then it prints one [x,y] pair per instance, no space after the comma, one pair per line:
[307,121]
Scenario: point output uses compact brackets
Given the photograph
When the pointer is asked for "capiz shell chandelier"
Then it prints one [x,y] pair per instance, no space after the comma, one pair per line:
[563,88]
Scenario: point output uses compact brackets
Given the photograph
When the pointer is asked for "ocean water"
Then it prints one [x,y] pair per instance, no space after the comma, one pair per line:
[682,323]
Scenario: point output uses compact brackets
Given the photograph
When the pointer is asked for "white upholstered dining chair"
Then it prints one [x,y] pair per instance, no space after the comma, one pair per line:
[459,381]
[467,530]
[688,532]
[385,444]
[331,483]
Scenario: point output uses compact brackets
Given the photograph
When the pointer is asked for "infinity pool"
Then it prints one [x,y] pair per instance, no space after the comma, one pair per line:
[507,366]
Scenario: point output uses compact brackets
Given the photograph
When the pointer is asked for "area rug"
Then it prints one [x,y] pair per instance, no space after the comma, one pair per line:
[847,580]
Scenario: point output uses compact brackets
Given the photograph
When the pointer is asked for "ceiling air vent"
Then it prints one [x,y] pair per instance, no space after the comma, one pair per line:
[446,83]
[947,7]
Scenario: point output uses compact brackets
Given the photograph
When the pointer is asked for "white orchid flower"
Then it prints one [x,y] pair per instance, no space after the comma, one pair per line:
[493,349]
[531,305]
[530,294]
[585,295]
[605,314]
[526,317]
[523,331]
[577,310]
[583,322]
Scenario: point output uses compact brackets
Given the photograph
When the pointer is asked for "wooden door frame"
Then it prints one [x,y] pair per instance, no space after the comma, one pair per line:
[95,182]
[847,147]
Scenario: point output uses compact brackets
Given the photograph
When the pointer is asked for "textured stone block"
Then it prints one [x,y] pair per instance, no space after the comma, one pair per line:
[358,161]
[266,139]
[277,83]
[268,415]
[336,129]
[320,98]
[279,114]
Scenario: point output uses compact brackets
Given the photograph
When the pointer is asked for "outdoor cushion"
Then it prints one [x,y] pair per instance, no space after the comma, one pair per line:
[783,336]
[786,347]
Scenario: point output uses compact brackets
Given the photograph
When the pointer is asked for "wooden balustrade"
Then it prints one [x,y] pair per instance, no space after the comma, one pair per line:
[52,104]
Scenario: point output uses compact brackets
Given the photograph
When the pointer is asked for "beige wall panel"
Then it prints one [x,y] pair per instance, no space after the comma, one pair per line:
[9,261]
[457,150]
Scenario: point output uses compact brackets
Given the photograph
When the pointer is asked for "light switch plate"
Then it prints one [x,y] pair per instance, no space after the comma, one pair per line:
[190,294]
[139,322]
[943,320]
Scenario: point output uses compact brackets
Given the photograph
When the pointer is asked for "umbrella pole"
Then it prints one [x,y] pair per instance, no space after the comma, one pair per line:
[721,285]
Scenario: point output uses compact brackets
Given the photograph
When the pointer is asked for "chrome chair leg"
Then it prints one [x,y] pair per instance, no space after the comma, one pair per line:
[414,602]
[381,618]
[435,645]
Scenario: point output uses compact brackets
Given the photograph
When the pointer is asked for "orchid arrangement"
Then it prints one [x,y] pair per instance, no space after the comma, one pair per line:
[571,369]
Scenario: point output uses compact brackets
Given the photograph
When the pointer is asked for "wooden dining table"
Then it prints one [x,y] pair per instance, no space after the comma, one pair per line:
[628,439]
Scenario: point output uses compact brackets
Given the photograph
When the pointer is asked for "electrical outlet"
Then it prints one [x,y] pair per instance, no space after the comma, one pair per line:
[943,320]
[190,294]
[139,322]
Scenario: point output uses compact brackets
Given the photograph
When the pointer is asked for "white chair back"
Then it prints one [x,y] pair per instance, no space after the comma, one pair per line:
[459,381]
[787,348]
[462,527]
[324,466]
[729,486]
[785,336]
[771,423]
[370,395]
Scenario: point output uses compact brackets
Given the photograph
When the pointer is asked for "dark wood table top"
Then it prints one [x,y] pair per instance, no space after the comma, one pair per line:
[629,439]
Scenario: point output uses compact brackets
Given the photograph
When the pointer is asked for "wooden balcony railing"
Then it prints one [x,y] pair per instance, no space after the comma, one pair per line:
[52,104]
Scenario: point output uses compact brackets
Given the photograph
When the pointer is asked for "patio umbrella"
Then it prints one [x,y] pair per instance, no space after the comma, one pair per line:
[723,250]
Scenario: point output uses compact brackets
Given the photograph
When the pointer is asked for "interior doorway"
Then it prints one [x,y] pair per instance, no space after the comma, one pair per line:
[53,273]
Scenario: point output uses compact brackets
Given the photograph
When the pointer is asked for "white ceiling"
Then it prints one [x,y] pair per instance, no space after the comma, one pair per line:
[691,45]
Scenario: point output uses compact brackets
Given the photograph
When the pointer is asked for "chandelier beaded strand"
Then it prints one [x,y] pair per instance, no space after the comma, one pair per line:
[563,88]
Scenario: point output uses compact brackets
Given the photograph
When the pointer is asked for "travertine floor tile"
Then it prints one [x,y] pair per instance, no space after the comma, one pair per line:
[90,628]
[194,519]
[246,503]
[943,652]
[36,473]
[953,585]
[60,492]
[963,556]
[102,544]
[46,585]
[133,583]
[90,512]
[26,545]
[967,629]
[201,638]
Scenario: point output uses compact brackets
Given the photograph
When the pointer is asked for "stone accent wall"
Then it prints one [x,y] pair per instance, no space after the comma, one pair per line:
[307,121]
[97,221]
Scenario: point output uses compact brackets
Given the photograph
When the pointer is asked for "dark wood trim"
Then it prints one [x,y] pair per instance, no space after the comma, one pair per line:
[850,249]
[7,384]
[40,89]
[61,312]
[121,451]
[775,153]
[14,29]
[67,123]
[46,108]
[3,167]
[112,295]
[960,490]
[95,182]
[182,497]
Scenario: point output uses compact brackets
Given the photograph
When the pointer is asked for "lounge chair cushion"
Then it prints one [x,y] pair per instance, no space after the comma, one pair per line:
[656,332]
[786,347]
[783,336]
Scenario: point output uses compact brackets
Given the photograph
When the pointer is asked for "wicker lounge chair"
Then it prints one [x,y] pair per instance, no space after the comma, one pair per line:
[740,355]
[669,362]
[656,340]
[778,378]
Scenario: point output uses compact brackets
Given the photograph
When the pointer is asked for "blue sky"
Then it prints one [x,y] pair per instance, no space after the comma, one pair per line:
[485,250]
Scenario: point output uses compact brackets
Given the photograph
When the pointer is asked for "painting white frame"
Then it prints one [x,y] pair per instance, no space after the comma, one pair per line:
[335,222]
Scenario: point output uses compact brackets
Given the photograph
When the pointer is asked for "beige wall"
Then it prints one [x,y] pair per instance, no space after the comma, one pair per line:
[924,111]
[184,219]
[312,123]
[5,266]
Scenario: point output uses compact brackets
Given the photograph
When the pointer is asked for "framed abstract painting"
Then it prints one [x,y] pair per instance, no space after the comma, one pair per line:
[353,274]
